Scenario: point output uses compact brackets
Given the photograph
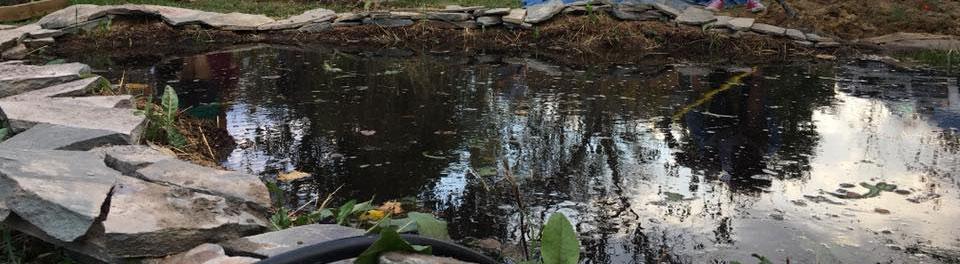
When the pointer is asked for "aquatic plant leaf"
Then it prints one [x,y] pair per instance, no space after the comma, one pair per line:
[429,226]
[559,244]
[389,241]
[292,175]
[345,211]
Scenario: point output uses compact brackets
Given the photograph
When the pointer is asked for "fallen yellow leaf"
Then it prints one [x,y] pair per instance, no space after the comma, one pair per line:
[372,215]
[393,207]
[291,176]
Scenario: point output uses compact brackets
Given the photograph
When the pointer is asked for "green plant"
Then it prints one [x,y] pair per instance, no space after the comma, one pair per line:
[559,243]
[162,121]
[389,241]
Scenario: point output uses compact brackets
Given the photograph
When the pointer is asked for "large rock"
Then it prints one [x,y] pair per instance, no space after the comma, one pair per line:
[151,220]
[308,17]
[768,29]
[16,79]
[233,185]
[73,88]
[206,254]
[516,16]
[275,243]
[130,158]
[59,192]
[410,258]
[25,114]
[57,137]
[543,12]
[695,16]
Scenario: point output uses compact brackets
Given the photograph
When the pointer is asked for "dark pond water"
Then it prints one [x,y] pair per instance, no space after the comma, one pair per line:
[671,163]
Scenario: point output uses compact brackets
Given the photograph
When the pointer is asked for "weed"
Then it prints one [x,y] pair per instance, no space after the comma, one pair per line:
[162,120]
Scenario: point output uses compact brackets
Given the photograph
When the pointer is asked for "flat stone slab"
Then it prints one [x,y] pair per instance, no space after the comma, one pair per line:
[24,114]
[695,16]
[316,27]
[795,34]
[151,220]
[106,101]
[908,41]
[348,16]
[206,254]
[307,17]
[236,21]
[667,9]
[57,137]
[453,17]
[73,88]
[72,15]
[741,23]
[516,16]
[275,243]
[16,79]
[768,29]
[410,258]
[230,184]
[127,159]
[497,11]
[543,12]
[59,192]
[489,21]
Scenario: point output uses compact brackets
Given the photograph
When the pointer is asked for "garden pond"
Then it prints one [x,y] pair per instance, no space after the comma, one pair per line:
[854,162]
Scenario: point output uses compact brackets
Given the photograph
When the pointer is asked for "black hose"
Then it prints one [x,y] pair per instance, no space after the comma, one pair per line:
[351,247]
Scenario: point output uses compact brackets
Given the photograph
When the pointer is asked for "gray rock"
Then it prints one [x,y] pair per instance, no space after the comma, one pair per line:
[151,220]
[10,37]
[387,22]
[5,27]
[346,24]
[649,15]
[741,23]
[72,15]
[795,34]
[406,15]
[236,21]
[817,38]
[489,21]
[347,17]
[827,44]
[458,8]
[232,185]
[497,12]
[516,16]
[695,16]
[307,17]
[410,258]
[316,27]
[452,17]
[452,25]
[129,158]
[275,243]
[59,192]
[666,9]
[543,12]
[16,79]
[109,101]
[206,254]
[804,43]
[35,43]
[73,88]
[17,52]
[768,29]
[45,33]
[176,16]
[57,137]
[25,114]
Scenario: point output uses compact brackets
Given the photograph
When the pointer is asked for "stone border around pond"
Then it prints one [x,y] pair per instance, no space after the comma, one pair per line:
[77,18]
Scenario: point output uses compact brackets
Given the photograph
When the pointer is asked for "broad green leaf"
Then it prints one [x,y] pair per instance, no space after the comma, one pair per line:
[559,244]
[430,226]
[281,219]
[363,207]
[4,132]
[403,225]
[170,104]
[389,241]
[174,137]
[345,211]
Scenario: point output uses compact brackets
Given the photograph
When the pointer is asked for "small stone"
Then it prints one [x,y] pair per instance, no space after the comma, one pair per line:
[847,185]
[827,57]
[489,21]
[796,34]
[827,44]
[768,29]
[741,23]
[886,232]
[881,211]
[387,22]
[695,16]
[543,12]
[451,17]
[516,16]
[902,192]
[894,247]
[316,27]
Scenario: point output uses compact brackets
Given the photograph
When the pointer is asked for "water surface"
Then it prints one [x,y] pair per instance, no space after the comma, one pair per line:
[671,163]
